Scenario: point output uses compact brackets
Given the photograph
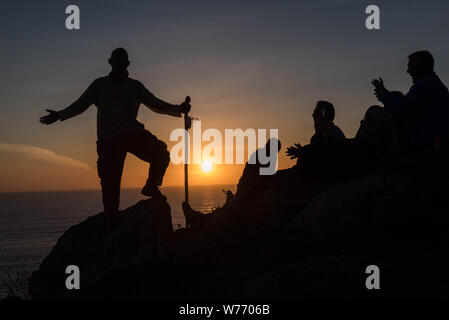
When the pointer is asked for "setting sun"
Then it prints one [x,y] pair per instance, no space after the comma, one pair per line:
[206,166]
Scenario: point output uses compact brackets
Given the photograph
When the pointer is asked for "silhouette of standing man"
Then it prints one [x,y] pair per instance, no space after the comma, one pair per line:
[118,98]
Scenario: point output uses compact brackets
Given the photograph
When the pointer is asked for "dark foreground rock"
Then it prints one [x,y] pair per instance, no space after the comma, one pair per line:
[277,243]
[108,251]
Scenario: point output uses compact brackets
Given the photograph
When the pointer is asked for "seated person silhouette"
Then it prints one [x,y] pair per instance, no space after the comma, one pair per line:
[251,178]
[401,129]
[250,183]
[378,132]
[424,110]
[325,129]
[118,98]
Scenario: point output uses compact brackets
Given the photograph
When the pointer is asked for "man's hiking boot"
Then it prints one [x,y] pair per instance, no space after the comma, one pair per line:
[153,191]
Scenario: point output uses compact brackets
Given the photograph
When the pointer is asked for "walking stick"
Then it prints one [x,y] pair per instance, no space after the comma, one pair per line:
[187,126]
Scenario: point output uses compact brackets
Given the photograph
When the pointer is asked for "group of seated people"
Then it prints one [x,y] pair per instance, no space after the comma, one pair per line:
[406,125]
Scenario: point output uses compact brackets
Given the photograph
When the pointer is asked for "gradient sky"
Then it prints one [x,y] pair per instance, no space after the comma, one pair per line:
[245,65]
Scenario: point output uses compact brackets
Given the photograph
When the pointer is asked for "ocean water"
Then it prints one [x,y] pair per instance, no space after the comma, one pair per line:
[32,222]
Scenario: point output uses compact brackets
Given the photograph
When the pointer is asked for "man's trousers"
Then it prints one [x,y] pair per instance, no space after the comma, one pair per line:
[111,157]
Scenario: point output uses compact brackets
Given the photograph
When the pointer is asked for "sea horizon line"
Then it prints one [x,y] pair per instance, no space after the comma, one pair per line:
[128,188]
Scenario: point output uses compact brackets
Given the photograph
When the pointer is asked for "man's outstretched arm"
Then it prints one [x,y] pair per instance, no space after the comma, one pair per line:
[79,106]
[160,106]
[393,104]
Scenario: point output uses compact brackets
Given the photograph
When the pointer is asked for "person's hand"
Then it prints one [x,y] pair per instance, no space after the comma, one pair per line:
[185,106]
[378,86]
[294,151]
[52,116]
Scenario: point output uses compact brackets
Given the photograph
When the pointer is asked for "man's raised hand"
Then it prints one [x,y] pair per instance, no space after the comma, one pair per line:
[294,151]
[185,106]
[52,116]
[378,86]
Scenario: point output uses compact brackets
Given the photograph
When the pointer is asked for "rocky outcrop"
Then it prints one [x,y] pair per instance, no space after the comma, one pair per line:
[281,241]
[109,252]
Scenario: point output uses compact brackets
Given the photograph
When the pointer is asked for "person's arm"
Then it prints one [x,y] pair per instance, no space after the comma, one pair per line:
[393,104]
[159,106]
[80,105]
[398,107]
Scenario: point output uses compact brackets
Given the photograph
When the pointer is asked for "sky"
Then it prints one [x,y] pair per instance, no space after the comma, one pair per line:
[245,64]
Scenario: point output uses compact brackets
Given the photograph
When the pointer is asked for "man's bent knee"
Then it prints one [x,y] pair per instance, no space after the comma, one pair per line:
[162,145]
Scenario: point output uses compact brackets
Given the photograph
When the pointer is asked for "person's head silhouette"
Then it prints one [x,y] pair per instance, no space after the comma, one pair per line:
[119,59]
[420,63]
[273,141]
[323,115]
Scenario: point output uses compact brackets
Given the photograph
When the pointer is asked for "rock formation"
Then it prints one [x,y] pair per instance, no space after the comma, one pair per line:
[274,243]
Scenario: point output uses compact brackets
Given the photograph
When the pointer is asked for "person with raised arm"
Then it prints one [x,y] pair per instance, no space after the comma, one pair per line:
[424,110]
